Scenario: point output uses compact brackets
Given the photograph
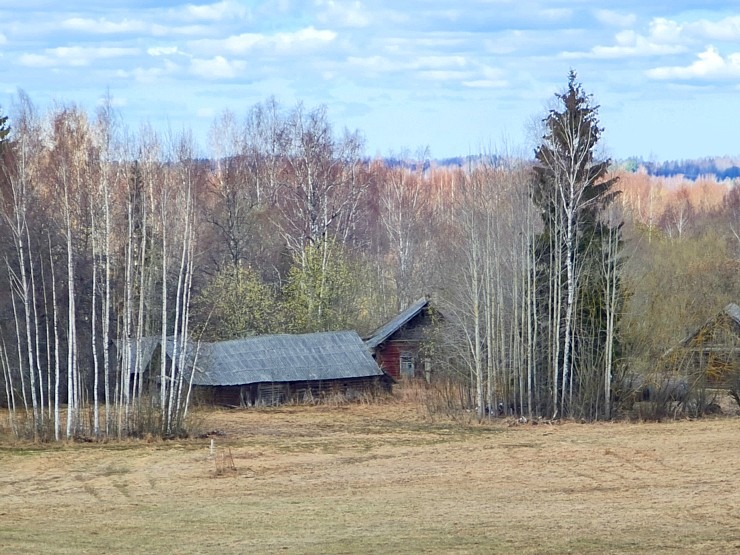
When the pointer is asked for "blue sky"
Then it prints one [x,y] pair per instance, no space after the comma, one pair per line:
[459,77]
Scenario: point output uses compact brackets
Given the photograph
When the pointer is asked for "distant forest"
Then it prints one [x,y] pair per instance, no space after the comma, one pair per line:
[720,167]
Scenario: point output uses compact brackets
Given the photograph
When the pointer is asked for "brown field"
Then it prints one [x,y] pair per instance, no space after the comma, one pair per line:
[381,479]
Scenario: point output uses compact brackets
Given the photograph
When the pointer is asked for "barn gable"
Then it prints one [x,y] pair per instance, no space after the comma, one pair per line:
[397,344]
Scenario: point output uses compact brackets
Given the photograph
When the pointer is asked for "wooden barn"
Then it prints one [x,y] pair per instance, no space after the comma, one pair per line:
[271,369]
[397,344]
[713,350]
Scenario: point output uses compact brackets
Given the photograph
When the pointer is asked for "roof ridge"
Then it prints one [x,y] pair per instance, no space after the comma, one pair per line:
[394,324]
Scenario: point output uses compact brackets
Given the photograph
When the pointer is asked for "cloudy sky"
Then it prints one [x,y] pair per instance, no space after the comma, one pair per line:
[457,76]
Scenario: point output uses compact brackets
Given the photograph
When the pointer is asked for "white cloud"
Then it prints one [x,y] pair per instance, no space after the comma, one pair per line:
[372,63]
[630,44]
[285,42]
[485,84]
[615,19]
[555,14]
[344,14]
[74,56]
[3,39]
[35,60]
[433,68]
[640,48]
[664,38]
[219,11]
[238,44]
[489,78]
[664,30]
[103,26]
[443,75]
[727,29]
[307,37]
[163,50]
[709,65]
[217,67]
[149,75]
[440,61]
[507,43]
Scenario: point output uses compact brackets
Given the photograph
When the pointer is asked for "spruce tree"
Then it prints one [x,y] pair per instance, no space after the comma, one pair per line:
[4,135]
[571,190]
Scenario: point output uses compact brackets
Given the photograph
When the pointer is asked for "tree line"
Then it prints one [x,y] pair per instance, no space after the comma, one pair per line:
[282,224]
[720,167]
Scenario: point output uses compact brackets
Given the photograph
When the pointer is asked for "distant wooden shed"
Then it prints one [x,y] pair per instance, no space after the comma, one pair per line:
[713,350]
[271,369]
[397,344]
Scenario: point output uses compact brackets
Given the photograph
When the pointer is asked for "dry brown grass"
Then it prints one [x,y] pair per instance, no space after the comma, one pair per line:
[380,479]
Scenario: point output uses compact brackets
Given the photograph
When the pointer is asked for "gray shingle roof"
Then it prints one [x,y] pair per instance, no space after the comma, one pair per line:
[145,346]
[280,358]
[392,326]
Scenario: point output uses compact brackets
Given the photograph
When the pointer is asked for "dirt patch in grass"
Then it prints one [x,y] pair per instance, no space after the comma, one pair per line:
[381,479]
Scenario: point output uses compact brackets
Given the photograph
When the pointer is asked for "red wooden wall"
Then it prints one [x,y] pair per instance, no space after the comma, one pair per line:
[389,359]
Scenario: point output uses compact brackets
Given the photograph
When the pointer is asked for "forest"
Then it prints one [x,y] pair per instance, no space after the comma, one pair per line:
[721,167]
[563,278]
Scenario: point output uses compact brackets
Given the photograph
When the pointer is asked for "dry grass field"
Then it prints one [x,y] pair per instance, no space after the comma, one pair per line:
[380,479]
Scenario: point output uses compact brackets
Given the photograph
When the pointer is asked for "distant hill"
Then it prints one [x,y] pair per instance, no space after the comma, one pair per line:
[472,160]
[724,167]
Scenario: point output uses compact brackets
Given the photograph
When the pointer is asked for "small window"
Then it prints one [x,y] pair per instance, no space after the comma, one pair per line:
[407,365]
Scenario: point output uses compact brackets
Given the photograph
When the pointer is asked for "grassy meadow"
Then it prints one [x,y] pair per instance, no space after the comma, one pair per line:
[382,478]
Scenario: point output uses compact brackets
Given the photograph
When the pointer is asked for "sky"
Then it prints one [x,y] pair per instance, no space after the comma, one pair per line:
[459,77]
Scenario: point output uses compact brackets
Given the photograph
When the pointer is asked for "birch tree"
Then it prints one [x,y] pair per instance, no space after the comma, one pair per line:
[236,190]
[403,205]
[320,193]
[180,221]
[490,295]
[108,170]
[16,212]
[318,185]
[69,155]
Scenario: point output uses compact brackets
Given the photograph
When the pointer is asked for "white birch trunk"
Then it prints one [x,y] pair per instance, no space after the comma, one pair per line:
[18,340]
[9,388]
[57,415]
[94,328]
[72,394]
[36,334]
[106,308]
